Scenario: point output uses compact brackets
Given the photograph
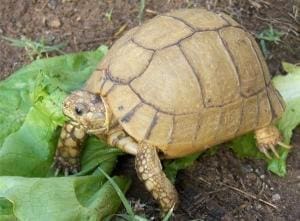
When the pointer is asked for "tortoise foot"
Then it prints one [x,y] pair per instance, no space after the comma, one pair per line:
[66,165]
[267,139]
[67,156]
[149,171]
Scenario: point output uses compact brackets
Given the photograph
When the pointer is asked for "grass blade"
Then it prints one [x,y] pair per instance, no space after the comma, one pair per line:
[141,10]
[169,214]
[120,194]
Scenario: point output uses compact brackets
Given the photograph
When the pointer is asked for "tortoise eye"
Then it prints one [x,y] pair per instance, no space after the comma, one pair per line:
[79,110]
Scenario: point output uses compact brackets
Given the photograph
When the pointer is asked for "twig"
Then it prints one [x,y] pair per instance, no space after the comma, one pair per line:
[293,182]
[293,17]
[75,43]
[264,2]
[262,189]
[151,11]
[43,6]
[251,196]
[123,27]
[204,181]
[242,192]
[242,183]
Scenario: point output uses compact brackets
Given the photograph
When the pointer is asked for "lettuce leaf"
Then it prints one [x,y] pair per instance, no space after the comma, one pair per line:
[30,116]
[64,198]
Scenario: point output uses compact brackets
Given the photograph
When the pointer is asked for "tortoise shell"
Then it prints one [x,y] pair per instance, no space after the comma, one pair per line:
[187,80]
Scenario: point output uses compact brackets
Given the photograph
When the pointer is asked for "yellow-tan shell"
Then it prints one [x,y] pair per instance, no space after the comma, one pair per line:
[187,80]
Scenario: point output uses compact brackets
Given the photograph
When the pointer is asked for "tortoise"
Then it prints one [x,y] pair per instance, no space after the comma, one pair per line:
[180,83]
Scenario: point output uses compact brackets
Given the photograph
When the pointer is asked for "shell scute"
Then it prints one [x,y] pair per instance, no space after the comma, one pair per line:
[161,133]
[167,83]
[249,118]
[184,128]
[217,75]
[277,104]
[140,122]
[121,105]
[123,64]
[199,19]
[208,125]
[99,73]
[265,118]
[160,32]
[230,120]
[244,56]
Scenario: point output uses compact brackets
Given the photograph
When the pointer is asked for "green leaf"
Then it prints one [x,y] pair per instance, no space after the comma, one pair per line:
[64,198]
[97,152]
[31,111]
[288,86]
[245,146]
[6,210]
[278,166]
[171,167]
[35,95]
[19,92]
[31,148]
[291,68]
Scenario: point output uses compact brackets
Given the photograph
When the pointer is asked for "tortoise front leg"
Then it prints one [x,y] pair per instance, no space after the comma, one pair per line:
[149,170]
[67,156]
[117,137]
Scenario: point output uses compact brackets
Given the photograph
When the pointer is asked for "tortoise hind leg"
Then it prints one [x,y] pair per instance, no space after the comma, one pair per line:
[149,170]
[267,138]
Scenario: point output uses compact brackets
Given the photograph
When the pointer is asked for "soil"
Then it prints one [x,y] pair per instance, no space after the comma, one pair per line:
[218,187]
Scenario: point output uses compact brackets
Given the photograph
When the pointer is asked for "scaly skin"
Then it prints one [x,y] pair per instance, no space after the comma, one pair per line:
[149,170]
[67,157]
[267,138]
[90,114]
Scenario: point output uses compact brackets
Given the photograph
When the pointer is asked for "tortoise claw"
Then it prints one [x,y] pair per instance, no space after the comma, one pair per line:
[264,148]
[274,150]
[65,166]
[265,152]
[66,172]
[57,171]
[286,146]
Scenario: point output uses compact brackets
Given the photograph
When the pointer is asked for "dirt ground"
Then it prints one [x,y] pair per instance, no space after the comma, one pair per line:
[219,187]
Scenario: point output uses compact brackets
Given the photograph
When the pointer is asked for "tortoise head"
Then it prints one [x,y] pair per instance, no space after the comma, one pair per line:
[88,110]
